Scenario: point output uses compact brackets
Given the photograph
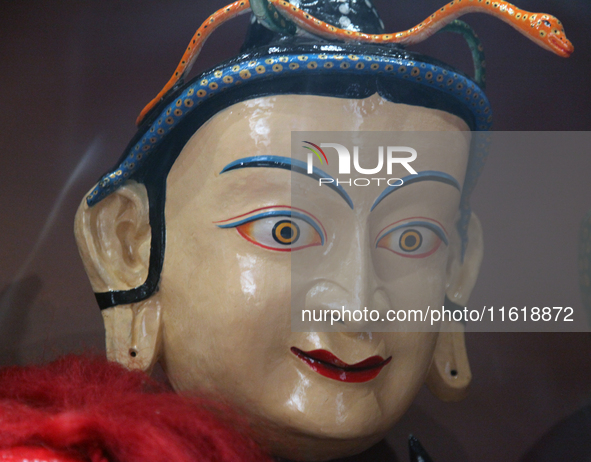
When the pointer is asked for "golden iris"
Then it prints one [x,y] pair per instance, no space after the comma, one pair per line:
[410,240]
[286,232]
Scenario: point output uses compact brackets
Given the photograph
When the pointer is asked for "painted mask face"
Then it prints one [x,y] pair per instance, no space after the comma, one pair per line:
[226,284]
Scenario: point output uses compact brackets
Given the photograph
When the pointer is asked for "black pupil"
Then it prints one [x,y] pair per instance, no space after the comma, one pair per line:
[547,23]
[410,241]
[286,233]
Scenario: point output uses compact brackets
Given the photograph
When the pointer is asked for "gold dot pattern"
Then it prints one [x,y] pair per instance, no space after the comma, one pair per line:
[212,83]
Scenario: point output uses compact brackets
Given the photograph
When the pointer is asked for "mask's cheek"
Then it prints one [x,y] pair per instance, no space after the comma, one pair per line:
[412,354]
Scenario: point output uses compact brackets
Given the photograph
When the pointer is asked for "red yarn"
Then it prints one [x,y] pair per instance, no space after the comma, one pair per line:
[97,410]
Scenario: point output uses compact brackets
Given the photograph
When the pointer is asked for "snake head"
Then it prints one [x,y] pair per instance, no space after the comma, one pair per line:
[548,32]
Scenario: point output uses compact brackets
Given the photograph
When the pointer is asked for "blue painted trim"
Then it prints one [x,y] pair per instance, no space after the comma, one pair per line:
[288,163]
[278,213]
[427,175]
[309,64]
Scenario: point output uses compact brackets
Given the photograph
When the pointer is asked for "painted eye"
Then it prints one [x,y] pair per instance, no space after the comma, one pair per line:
[282,230]
[412,240]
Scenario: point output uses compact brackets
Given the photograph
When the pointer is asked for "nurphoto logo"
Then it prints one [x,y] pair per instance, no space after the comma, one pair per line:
[392,156]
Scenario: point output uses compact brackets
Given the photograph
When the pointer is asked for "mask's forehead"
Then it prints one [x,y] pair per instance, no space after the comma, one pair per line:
[264,127]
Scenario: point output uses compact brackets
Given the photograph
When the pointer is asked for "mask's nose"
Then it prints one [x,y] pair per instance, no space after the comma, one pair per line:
[349,286]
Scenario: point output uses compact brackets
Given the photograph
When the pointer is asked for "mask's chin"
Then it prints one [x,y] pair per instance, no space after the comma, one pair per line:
[292,444]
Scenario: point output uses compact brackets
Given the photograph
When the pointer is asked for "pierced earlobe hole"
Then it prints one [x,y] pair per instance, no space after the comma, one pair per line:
[453,373]
[132,352]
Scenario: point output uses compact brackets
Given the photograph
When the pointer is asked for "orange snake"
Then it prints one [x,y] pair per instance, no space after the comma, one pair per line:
[543,29]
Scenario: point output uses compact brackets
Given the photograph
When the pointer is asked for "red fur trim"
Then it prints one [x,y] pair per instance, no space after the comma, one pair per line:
[37,454]
[99,411]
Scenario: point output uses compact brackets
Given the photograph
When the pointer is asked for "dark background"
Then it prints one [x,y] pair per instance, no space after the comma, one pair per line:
[74,76]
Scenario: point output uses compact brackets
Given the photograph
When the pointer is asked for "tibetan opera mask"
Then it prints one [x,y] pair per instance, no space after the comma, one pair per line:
[191,241]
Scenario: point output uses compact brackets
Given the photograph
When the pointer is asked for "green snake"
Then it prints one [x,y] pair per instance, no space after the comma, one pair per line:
[281,16]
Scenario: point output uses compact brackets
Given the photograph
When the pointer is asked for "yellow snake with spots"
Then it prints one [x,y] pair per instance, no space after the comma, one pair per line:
[279,15]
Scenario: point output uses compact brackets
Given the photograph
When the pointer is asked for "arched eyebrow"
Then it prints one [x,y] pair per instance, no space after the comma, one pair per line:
[287,163]
[427,175]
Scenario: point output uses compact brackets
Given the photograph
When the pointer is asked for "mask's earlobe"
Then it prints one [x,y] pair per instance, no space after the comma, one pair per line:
[114,238]
[134,334]
[450,375]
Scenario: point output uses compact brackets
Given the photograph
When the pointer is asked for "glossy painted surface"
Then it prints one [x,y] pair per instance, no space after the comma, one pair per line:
[545,30]
[280,63]
[530,381]
[328,365]
[226,302]
[201,35]
[221,320]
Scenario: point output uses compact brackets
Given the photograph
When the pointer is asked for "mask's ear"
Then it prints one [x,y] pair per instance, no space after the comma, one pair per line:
[114,238]
[462,274]
[450,375]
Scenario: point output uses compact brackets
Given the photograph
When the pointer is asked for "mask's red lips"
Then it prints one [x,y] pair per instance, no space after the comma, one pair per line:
[328,365]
